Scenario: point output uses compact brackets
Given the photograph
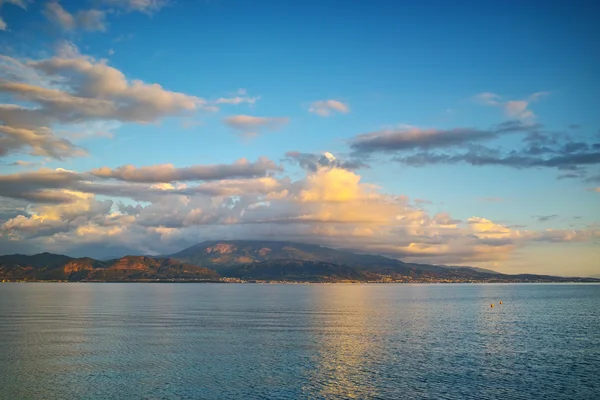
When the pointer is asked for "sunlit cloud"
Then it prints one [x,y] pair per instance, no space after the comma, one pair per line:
[252,126]
[325,108]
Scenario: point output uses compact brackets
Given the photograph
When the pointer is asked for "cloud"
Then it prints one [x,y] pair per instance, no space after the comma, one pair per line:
[73,91]
[237,100]
[330,206]
[143,6]
[410,137]
[59,16]
[25,164]
[47,185]
[313,162]
[325,108]
[250,126]
[41,141]
[92,20]
[540,149]
[513,109]
[168,173]
[19,3]
[545,218]
[88,20]
[39,186]
[481,156]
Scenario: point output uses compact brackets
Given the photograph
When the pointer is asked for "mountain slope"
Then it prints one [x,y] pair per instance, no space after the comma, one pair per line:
[297,270]
[220,255]
[48,266]
[250,260]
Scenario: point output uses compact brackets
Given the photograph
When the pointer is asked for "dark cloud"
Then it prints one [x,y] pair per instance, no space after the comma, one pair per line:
[480,156]
[39,186]
[545,218]
[312,161]
[540,148]
[58,186]
[411,138]
[168,173]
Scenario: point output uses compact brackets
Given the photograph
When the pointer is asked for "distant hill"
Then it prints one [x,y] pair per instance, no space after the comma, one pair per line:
[250,260]
[280,260]
[125,269]
[220,255]
[297,270]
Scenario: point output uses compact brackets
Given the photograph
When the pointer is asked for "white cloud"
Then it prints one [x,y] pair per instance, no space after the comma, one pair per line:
[237,100]
[143,6]
[515,109]
[72,89]
[329,206]
[325,108]
[251,126]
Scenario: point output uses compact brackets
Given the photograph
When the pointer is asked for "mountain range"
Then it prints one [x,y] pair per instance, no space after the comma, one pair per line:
[249,260]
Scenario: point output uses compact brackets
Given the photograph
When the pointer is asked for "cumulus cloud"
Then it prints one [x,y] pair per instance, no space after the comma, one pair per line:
[330,206]
[251,126]
[71,90]
[325,108]
[513,109]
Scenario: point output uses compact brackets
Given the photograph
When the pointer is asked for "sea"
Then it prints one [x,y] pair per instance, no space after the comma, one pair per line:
[299,341]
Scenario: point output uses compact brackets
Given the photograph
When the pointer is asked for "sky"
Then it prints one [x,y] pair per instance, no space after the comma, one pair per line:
[456,133]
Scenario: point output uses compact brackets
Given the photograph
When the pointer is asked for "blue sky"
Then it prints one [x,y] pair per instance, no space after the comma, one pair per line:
[405,74]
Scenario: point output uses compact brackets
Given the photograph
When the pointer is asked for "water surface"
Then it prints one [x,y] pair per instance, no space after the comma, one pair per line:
[228,341]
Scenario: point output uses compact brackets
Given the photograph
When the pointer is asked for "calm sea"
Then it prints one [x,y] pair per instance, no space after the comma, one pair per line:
[250,341]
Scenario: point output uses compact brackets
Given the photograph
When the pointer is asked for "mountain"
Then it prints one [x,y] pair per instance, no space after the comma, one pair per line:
[223,254]
[250,260]
[46,266]
[297,270]
[280,260]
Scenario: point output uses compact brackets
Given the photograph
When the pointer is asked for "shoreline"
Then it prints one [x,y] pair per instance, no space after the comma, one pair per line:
[583,281]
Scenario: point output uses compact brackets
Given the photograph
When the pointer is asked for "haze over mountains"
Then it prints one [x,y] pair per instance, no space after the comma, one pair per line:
[247,260]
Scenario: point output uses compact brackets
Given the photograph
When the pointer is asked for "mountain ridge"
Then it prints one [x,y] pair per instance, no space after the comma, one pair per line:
[250,260]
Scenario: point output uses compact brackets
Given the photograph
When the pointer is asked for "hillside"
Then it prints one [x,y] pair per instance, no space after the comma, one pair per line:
[250,260]
[220,255]
[298,270]
[125,269]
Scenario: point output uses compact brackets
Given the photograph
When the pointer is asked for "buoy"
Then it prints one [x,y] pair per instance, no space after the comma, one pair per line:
[500,302]
[492,305]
